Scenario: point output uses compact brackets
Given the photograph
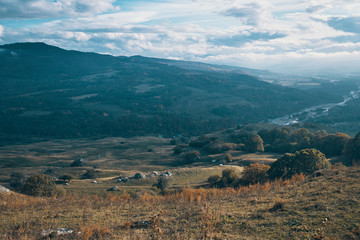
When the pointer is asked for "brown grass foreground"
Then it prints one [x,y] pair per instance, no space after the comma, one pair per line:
[325,206]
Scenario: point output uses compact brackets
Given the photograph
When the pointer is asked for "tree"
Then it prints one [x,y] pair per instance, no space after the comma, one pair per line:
[67,177]
[334,144]
[229,177]
[40,185]
[305,161]
[352,150]
[300,134]
[162,184]
[255,173]
[254,144]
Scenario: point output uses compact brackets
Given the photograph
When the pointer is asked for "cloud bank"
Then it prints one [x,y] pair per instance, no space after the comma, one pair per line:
[300,36]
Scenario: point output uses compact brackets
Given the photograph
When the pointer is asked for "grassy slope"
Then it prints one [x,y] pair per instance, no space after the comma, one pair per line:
[323,207]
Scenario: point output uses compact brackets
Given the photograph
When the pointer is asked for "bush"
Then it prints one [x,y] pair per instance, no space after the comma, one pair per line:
[90,174]
[278,147]
[275,134]
[191,157]
[240,137]
[179,149]
[202,141]
[228,158]
[334,144]
[67,177]
[300,134]
[305,161]
[219,147]
[254,144]
[229,177]
[17,181]
[255,173]
[212,180]
[40,185]
[162,184]
[352,150]
[77,163]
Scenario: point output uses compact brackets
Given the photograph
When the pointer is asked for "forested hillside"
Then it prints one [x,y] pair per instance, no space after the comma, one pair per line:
[47,91]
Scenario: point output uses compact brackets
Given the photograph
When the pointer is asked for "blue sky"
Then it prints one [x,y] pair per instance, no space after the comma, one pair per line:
[298,36]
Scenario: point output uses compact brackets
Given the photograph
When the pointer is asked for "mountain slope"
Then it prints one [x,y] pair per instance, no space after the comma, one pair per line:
[48,91]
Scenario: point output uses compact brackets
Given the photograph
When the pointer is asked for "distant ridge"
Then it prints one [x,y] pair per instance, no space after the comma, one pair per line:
[52,92]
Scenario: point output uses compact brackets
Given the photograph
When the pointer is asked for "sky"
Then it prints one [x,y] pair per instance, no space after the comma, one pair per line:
[297,36]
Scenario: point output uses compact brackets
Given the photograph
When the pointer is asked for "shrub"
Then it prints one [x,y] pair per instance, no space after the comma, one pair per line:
[305,161]
[173,141]
[179,149]
[202,141]
[191,157]
[334,144]
[352,150]
[77,163]
[67,177]
[40,185]
[240,137]
[228,158]
[254,144]
[255,173]
[278,147]
[90,174]
[17,181]
[300,134]
[219,147]
[213,179]
[278,205]
[275,134]
[162,184]
[229,177]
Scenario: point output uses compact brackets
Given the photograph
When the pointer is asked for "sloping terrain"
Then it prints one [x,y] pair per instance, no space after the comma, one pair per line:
[50,92]
[325,206]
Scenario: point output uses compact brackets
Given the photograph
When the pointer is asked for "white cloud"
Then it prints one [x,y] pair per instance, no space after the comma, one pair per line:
[1,30]
[27,9]
[276,35]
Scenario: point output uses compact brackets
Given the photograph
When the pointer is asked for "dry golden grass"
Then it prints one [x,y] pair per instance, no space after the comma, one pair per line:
[322,207]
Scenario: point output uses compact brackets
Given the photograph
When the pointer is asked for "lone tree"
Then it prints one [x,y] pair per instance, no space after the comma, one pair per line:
[40,185]
[162,184]
[254,144]
[305,161]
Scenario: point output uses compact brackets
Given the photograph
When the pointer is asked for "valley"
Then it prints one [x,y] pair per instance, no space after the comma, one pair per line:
[94,146]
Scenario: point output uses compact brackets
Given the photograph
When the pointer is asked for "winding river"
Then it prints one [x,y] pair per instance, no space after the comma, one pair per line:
[313,112]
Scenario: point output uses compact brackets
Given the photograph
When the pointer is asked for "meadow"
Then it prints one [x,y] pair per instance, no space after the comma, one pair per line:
[324,205]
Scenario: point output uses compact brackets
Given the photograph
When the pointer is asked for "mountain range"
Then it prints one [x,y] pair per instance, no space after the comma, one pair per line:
[51,92]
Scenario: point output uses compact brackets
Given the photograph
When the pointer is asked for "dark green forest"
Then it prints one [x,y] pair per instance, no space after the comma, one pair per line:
[50,92]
